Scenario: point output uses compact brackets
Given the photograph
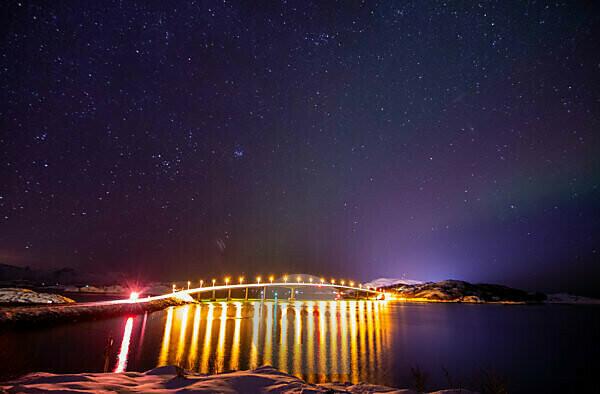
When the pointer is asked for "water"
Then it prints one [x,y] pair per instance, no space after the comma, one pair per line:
[527,348]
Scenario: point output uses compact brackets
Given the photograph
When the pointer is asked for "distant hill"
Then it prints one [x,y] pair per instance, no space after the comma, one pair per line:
[459,291]
[14,274]
[387,282]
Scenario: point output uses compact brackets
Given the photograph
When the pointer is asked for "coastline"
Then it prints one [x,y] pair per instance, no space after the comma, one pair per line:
[49,314]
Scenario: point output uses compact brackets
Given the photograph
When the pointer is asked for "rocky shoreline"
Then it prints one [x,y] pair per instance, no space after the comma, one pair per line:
[50,314]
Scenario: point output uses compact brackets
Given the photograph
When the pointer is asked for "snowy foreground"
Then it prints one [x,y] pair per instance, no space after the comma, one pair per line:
[171,379]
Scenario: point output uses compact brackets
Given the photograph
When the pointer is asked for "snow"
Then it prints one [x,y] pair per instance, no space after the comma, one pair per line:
[564,298]
[13,295]
[385,282]
[171,379]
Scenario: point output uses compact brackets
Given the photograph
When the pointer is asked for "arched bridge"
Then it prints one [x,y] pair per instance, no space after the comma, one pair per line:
[242,289]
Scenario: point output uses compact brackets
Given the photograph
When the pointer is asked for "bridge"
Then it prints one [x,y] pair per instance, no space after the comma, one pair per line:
[243,288]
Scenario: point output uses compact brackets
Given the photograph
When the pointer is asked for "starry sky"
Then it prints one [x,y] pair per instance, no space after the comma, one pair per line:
[418,139]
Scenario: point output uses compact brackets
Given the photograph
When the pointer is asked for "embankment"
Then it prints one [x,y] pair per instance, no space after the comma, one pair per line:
[49,314]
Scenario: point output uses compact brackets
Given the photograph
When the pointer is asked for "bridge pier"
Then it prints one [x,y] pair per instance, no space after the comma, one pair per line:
[293,294]
[214,298]
[246,295]
[229,294]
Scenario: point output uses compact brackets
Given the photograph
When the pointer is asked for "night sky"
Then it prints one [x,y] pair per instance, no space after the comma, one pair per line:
[430,140]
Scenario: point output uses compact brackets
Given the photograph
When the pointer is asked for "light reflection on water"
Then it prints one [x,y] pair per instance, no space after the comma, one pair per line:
[317,341]
[376,342]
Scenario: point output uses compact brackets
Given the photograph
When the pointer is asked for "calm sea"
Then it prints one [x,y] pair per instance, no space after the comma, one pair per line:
[542,348]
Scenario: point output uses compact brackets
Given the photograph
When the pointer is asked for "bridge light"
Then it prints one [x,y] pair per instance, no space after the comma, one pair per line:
[285,278]
[201,282]
[298,279]
[189,283]
[226,281]
[134,296]
[258,278]
[351,284]
[342,282]
[241,280]
[333,281]
[271,278]
[360,285]
[173,287]
[213,282]
[310,280]
[322,280]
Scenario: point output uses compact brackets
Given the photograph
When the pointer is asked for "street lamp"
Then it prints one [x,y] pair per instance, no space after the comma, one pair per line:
[271,278]
[322,280]
[351,284]
[241,280]
[189,284]
[298,279]
[201,282]
[285,278]
[333,281]
[258,278]
[310,280]
[213,282]
[228,290]
[342,282]
[173,287]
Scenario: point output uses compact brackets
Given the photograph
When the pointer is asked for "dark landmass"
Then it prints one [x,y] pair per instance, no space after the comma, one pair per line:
[14,276]
[461,291]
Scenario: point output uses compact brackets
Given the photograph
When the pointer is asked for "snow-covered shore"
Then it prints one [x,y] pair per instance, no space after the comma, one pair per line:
[11,295]
[73,312]
[170,379]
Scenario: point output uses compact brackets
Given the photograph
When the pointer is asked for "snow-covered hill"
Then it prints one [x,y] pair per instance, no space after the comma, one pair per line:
[24,296]
[386,282]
